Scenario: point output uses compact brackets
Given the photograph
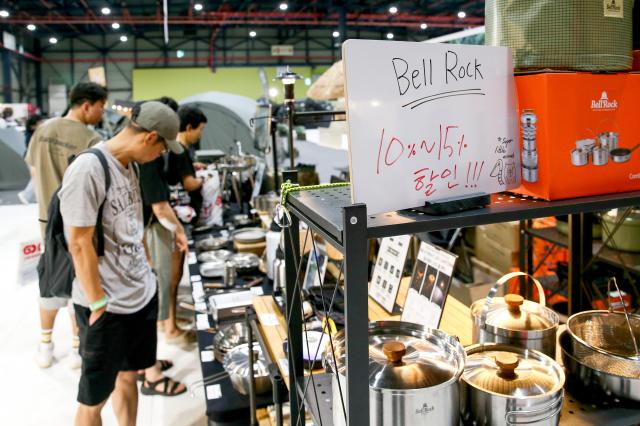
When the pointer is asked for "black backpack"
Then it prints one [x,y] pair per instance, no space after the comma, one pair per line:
[55,268]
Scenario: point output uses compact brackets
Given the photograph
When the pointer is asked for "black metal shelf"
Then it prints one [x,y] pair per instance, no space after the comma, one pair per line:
[618,258]
[323,208]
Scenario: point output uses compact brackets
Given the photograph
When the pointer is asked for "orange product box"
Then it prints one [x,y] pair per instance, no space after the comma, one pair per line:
[578,133]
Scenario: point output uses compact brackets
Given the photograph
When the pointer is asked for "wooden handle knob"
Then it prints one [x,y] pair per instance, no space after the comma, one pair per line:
[394,351]
[514,301]
[507,362]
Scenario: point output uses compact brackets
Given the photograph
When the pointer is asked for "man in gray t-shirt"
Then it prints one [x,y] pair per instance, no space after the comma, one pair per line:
[114,295]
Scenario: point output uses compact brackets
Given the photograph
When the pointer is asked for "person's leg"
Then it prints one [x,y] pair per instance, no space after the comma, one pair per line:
[89,415]
[48,310]
[170,326]
[125,398]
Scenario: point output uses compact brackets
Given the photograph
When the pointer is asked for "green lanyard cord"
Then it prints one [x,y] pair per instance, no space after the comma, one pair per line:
[288,187]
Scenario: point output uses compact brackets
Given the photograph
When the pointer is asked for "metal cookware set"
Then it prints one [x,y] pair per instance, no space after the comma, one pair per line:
[528,121]
[601,151]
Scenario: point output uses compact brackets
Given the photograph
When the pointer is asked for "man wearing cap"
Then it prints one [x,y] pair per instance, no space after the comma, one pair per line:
[115,295]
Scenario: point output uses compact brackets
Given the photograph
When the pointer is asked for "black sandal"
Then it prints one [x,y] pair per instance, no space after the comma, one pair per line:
[165,364]
[149,388]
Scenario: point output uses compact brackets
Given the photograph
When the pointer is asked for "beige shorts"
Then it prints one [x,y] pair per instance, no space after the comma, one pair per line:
[161,249]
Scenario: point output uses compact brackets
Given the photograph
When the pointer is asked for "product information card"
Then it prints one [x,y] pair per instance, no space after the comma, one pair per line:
[388,270]
[429,286]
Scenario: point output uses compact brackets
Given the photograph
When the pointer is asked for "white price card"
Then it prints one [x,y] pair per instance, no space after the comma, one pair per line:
[284,366]
[192,259]
[268,320]
[214,391]
[429,286]
[190,242]
[202,321]
[200,306]
[206,356]
[387,273]
[257,291]
[195,278]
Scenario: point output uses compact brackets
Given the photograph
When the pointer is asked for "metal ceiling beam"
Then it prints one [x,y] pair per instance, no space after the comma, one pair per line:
[260,18]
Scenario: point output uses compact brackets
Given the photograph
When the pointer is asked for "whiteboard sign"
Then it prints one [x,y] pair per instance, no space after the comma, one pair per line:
[429,122]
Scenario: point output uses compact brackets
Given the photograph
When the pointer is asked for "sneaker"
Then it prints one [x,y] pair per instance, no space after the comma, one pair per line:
[44,356]
[74,360]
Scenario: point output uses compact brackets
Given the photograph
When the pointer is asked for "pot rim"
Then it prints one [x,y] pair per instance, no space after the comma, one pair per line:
[482,347]
[476,312]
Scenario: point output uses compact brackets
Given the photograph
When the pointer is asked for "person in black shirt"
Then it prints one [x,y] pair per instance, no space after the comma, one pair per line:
[182,169]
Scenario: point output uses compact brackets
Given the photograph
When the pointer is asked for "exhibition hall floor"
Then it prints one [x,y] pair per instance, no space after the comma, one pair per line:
[33,396]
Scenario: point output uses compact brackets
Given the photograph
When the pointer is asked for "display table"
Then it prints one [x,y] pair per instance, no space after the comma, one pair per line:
[224,405]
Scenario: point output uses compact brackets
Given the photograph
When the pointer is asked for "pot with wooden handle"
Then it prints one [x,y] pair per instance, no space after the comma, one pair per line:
[515,321]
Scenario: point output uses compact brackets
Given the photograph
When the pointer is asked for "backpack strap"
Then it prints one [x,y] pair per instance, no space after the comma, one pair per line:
[107,181]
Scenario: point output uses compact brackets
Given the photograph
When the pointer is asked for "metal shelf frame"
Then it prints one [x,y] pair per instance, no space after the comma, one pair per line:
[331,214]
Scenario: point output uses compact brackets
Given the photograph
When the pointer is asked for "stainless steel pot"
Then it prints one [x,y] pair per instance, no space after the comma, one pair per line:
[236,363]
[579,157]
[245,263]
[506,385]
[212,269]
[413,375]
[599,156]
[266,202]
[608,140]
[530,175]
[249,235]
[214,255]
[228,337]
[279,274]
[594,381]
[515,321]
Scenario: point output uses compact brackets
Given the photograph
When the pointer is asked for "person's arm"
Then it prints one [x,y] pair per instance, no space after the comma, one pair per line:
[85,263]
[192,183]
[167,218]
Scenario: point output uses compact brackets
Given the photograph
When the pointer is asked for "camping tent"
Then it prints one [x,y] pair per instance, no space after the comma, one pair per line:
[228,119]
[14,173]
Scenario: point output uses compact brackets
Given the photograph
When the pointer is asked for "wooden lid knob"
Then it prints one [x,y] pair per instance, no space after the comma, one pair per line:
[507,362]
[394,351]
[513,302]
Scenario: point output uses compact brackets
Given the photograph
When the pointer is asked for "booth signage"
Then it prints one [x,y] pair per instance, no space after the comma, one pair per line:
[282,50]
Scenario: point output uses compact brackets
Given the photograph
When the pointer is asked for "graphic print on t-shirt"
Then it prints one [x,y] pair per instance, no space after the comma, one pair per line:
[130,256]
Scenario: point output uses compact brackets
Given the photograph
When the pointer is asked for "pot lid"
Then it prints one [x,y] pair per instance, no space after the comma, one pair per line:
[249,235]
[408,356]
[236,362]
[518,374]
[245,260]
[213,255]
[213,268]
[513,312]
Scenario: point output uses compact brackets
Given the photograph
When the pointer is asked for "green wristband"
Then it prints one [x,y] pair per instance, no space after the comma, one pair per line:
[98,304]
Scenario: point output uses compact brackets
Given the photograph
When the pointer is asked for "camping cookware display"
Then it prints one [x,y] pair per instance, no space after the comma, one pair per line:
[249,235]
[515,321]
[228,337]
[622,155]
[507,385]
[214,255]
[608,140]
[627,236]
[413,375]
[236,363]
[528,121]
[212,269]
[211,243]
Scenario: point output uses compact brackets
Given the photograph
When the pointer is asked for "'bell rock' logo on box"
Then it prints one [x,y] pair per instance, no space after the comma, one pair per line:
[604,104]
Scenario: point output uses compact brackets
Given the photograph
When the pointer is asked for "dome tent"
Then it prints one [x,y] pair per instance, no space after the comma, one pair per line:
[14,172]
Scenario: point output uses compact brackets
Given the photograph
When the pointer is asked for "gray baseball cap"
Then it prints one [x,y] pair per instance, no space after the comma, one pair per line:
[154,115]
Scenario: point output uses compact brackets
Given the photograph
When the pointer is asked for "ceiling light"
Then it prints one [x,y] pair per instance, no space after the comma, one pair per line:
[462,14]
[105,11]
[283,6]
[307,81]
[273,92]
[123,38]
[53,40]
[115,25]
[31,27]
[390,36]
[4,13]
[198,7]
[336,34]
[423,26]
[252,34]
[393,9]
[179,53]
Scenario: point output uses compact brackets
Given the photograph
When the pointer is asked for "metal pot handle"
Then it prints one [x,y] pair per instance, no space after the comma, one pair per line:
[499,283]
[511,417]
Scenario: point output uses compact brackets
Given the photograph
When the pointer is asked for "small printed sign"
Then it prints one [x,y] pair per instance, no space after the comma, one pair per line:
[387,273]
[214,391]
[206,356]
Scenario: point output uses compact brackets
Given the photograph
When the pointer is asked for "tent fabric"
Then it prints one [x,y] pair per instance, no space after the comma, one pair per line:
[228,118]
[330,85]
[14,173]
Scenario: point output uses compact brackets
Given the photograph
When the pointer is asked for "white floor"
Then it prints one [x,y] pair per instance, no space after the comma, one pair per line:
[33,396]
